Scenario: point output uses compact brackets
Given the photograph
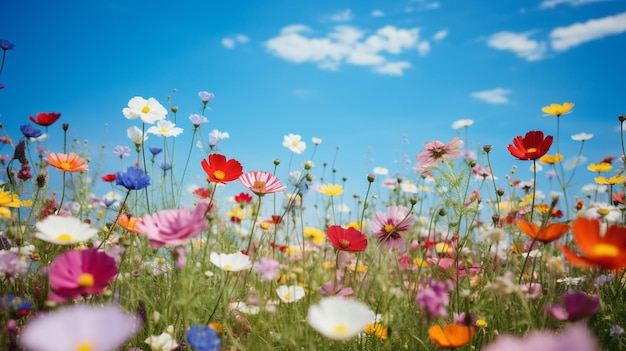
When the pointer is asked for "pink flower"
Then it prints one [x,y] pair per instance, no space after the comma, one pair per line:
[80,272]
[388,227]
[261,183]
[436,151]
[173,227]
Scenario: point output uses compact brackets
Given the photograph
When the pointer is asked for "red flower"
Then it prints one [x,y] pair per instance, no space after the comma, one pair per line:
[219,170]
[530,147]
[243,198]
[203,193]
[45,119]
[346,239]
[109,177]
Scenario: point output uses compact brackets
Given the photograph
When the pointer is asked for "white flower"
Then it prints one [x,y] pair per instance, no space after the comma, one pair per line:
[163,342]
[409,187]
[582,136]
[343,208]
[136,135]
[316,141]
[493,234]
[165,128]
[243,308]
[149,110]
[462,123]
[339,318]
[390,183]
[289,294]
[381,171]
[216,134]
[234,262]
[64,230]
[570,281]
[604,211]
[294,143]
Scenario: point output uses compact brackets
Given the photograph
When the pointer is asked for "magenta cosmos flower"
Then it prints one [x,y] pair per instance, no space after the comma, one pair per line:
[436,151]
[80,272]
[576,306]
[80,327]
[174,227]
[388,227]
[261,183]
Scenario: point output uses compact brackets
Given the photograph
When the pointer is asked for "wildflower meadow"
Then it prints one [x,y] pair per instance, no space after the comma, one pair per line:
[448,256]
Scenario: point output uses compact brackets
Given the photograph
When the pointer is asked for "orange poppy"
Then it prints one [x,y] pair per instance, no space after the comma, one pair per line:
[451,335]
[128,222]
[607,251]
[547,234]
[67,162]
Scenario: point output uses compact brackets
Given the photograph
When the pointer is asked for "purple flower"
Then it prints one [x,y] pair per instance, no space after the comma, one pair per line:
[267,268]
[121,151]
[197,120]
[616,330]
[30,131]
[205,96]
[11,265]
[389,226]
[603,279]
[576,306]
[80,327]
[133,179]
[165,166]
[6,45]
[155,150]
[575,338]
[333,288]
[435,298]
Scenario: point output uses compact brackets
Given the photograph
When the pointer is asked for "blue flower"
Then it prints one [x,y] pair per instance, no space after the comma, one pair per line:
[165,166]
[6,45]
[203,338]
[155,150]
[30,131]
[133,179]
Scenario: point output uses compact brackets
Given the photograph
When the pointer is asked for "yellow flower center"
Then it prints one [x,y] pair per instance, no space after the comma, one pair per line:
[228,266]
[532,149]
[65,237]
[344,243]
[259,184]
[294,143]
[219,175]
[341,329]
[86,280]
[85,346]
[287,296]
[605,250]
[603,211]
[163,130]
[65,165]
[145,109]
[388,228]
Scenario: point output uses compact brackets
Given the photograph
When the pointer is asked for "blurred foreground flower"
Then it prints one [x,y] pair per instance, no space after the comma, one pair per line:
[547,234]
[339,318]
[80,327]
[597,249]
[576,306]
[575,338]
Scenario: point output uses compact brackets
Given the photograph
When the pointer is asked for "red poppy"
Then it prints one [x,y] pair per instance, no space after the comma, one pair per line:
[45,119]
[109,177]
[346,239]
[219,170]
[530,147]
[280,248]
[243,198]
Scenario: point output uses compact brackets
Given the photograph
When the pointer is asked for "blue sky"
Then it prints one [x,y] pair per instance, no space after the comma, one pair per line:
[374,80]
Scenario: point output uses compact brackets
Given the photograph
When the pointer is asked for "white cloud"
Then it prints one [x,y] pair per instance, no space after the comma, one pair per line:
[228,43]
[377,13]
[493,96]
[548,4]
[440,34]
[341,16]
[519,43]
[348,45]
[564,38]
[305,93]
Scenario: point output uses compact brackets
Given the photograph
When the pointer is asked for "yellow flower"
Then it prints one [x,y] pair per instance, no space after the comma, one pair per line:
[331,189]
[5,213]
[481,323]
[611,181]
[316,235]
[420,262]
[355,225]
[443,248]
[600,167]
[558,110]
[543,208]
[293,250]
[236,212]
[377,330]
[551,159]
[8,199]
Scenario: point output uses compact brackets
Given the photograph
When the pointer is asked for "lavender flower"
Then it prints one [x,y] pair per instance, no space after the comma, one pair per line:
[197,120]
[206,96]
[121,151]
[267,268]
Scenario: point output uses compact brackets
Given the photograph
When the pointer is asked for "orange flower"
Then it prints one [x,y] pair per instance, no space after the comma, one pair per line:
[548,234]
[67,162]
[128,222]
[451,335]
[607,251]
